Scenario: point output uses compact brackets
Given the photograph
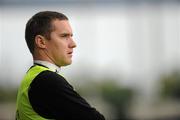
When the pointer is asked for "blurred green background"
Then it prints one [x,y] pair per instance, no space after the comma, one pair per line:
[126,63]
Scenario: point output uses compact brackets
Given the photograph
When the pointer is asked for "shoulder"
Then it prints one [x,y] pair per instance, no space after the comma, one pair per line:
[48,79]
[49,74]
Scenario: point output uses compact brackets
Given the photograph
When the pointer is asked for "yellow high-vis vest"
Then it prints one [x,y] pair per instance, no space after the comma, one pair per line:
[24,110]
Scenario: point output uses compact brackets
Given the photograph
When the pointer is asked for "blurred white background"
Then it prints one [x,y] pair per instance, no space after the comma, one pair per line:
[133,42]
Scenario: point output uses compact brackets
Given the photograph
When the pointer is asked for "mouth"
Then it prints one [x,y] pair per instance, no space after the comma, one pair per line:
[70,53]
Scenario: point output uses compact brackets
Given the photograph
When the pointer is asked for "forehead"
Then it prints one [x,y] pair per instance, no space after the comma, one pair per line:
[61,26]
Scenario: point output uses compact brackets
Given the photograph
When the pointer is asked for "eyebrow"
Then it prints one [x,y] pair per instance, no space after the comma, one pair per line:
[66,34]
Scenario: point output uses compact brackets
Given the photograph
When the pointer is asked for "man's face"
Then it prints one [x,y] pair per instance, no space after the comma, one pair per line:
[60,46]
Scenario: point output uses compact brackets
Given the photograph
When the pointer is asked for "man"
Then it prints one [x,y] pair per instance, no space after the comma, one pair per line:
[44,93]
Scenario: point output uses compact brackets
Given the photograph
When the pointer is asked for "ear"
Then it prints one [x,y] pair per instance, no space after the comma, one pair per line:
[40,41]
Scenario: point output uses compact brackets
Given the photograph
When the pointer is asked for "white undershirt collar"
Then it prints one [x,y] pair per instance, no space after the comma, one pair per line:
[49,65]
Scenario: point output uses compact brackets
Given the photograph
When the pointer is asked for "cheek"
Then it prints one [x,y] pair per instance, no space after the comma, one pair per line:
[60,49]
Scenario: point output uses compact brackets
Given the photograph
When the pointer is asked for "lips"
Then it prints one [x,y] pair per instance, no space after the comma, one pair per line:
[70,53]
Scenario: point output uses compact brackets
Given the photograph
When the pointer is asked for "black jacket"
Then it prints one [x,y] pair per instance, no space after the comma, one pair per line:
[52,97]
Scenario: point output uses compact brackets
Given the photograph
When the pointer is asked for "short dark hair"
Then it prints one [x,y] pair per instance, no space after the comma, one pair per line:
[41,24]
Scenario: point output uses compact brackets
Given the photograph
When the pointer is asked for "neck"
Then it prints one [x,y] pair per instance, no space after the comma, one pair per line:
[43,56]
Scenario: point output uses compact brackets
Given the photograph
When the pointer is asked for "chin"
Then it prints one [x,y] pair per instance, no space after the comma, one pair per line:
[67,63]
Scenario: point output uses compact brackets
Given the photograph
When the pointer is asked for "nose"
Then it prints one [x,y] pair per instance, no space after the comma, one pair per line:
[72,44]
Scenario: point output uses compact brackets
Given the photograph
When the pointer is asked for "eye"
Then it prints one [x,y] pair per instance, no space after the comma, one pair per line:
[66,35]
